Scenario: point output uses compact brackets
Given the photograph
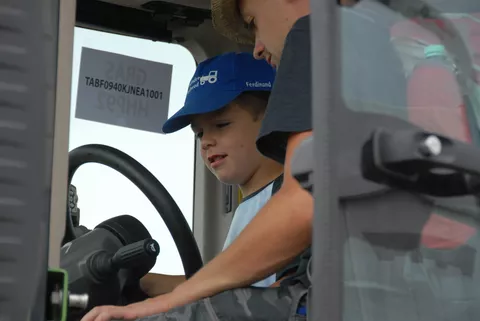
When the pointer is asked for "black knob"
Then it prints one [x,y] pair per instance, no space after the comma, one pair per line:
[133,254]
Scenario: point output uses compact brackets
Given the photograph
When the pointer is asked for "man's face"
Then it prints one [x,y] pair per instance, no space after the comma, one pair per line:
[271,20]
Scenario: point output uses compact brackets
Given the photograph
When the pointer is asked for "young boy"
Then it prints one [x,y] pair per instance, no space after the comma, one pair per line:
[225,105]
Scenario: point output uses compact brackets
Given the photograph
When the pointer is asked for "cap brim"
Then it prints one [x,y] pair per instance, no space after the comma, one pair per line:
[182,118]
[227,21]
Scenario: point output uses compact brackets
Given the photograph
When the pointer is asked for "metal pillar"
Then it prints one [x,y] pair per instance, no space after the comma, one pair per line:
[28,96]
[326,244]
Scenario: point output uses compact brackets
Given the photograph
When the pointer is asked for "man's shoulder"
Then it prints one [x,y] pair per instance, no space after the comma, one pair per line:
[302,24]
[289,106]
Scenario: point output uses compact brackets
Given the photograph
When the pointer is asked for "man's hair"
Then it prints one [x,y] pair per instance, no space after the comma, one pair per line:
[255,102]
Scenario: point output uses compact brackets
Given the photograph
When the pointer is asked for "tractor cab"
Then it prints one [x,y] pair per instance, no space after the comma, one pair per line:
[393,164]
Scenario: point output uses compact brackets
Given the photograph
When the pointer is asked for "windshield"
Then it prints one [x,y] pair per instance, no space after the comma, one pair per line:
[410,88]
[117,116]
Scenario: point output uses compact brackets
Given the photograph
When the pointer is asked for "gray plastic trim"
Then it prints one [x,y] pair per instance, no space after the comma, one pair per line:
[326,243]
[28,58]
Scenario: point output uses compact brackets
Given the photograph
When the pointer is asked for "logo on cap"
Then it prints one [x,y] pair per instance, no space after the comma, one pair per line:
[258,84]
[198,81]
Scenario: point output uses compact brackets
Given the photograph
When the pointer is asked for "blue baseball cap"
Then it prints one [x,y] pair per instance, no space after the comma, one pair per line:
[217,82]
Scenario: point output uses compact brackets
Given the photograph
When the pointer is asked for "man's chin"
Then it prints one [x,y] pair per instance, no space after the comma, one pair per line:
[274,62]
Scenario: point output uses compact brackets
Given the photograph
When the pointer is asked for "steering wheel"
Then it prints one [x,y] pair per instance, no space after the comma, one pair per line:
[153,190]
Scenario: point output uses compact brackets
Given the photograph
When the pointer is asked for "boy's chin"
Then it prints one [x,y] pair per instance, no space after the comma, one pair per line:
[226,181]
[225,178]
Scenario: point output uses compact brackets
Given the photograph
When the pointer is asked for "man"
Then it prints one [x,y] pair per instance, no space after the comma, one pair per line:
[280,31]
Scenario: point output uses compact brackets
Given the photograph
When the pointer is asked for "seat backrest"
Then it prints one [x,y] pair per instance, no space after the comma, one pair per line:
[434,99]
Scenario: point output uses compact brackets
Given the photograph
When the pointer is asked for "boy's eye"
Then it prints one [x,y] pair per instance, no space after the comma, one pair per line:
[199,134]
[221,125]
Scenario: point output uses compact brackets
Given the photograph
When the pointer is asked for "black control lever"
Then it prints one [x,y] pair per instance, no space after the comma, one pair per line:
[422,162]
[130,255]
[103,265]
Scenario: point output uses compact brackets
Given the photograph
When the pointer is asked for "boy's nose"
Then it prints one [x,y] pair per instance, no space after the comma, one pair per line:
[207,142]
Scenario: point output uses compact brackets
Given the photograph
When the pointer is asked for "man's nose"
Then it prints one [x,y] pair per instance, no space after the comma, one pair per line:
[259,50]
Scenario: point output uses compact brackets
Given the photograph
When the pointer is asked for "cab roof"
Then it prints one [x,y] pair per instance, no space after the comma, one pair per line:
[184,22]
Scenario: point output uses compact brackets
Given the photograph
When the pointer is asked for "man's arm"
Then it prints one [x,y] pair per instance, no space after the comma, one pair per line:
[157,284]
[281,230]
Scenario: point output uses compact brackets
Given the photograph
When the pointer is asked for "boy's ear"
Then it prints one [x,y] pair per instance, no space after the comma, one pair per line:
[194,123]
[260,114]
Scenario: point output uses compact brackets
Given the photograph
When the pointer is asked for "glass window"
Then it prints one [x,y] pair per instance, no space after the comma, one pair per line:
[104,193]
[411,254]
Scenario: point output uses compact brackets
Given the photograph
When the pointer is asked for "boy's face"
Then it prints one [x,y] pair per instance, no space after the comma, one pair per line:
[227,142]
